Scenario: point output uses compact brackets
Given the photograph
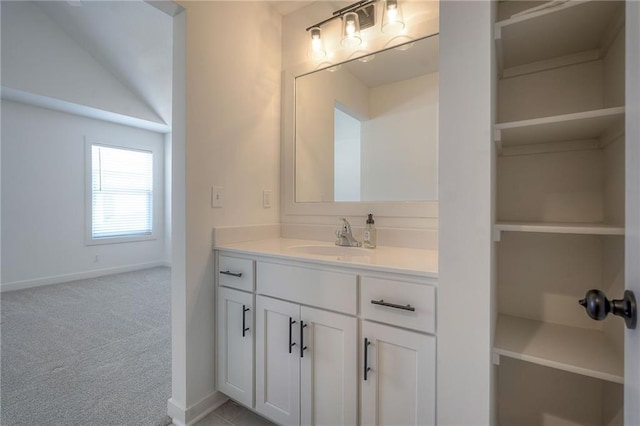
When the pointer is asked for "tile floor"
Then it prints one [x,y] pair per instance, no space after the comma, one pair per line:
[231,413]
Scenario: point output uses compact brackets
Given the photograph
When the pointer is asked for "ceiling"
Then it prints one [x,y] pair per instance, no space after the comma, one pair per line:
[131,39]
[286,7]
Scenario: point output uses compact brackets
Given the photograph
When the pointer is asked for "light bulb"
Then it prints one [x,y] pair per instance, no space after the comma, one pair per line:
[392,13]
[350,27]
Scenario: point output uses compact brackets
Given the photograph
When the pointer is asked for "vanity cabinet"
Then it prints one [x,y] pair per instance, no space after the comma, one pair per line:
[277,361]
[311,324]
[398,366]
[236,273]
[329,378]
[235,344]
[306,358]
[306,364]
[398,376]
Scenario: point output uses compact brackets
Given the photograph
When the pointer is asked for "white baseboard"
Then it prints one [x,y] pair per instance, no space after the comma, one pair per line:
[57,279]
[177,412]
[182,416]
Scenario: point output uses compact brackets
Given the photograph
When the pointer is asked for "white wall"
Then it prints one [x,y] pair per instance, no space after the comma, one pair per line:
[43,199]
[465,265]
[400,141]
[177,404]
[39,58]
[232,140]
[168,175]
[43,65]
[0,177]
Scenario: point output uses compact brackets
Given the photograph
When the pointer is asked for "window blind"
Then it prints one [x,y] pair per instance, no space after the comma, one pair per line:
[122,192]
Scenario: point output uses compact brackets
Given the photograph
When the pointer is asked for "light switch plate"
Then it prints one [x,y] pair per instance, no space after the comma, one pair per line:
[267,194]
[217,197]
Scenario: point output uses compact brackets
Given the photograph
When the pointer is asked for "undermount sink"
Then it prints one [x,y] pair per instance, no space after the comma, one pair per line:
[331,250]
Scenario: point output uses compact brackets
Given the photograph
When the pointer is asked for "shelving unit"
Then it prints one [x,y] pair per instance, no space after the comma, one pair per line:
[573,349]
[561,32]
[559,136]
[556,228]
[576,126]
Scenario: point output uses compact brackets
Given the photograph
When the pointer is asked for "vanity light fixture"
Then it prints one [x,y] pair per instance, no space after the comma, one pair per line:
[355,18]
[392,21]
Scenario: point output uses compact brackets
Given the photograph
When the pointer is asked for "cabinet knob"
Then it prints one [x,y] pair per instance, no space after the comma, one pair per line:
[597,305]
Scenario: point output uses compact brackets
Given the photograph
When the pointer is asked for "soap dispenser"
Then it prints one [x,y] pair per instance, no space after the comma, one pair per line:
[370,233]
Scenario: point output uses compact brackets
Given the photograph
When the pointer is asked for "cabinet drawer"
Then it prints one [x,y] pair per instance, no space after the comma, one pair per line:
[391,299]
[235,272]
[336,291]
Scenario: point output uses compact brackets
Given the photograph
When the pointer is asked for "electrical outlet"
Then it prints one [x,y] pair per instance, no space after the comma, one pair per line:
[217,197]
[266,198]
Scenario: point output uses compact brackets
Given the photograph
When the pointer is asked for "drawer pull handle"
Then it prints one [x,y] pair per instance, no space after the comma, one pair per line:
[302,346]
[291,344]
[233,274]
[366,357]
[244,320]
[393,305]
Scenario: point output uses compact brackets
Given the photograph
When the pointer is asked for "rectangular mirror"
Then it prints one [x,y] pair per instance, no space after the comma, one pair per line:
[367,130]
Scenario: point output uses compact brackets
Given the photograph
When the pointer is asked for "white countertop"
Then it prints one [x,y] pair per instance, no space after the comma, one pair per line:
[388,259]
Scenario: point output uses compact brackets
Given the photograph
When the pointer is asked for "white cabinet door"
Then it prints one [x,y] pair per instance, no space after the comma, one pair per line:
[278,360]
[400,385]
[235,344]
[329,368]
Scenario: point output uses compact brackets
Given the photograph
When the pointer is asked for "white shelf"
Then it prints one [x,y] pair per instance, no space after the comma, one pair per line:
[566,127]
[572,349]
[560,30]
[557,228]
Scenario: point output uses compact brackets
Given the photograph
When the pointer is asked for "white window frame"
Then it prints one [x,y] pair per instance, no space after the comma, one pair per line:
[157,154]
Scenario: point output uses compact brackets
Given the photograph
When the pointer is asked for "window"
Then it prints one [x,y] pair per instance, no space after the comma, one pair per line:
[121,201]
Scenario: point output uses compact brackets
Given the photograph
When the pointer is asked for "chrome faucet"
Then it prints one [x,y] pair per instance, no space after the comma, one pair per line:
[345,237]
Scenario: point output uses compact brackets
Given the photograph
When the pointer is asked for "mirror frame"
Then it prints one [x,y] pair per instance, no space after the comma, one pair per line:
[406,209]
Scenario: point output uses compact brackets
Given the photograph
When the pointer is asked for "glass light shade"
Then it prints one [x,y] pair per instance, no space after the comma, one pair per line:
[317,45]
[392,20]
[351,30]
